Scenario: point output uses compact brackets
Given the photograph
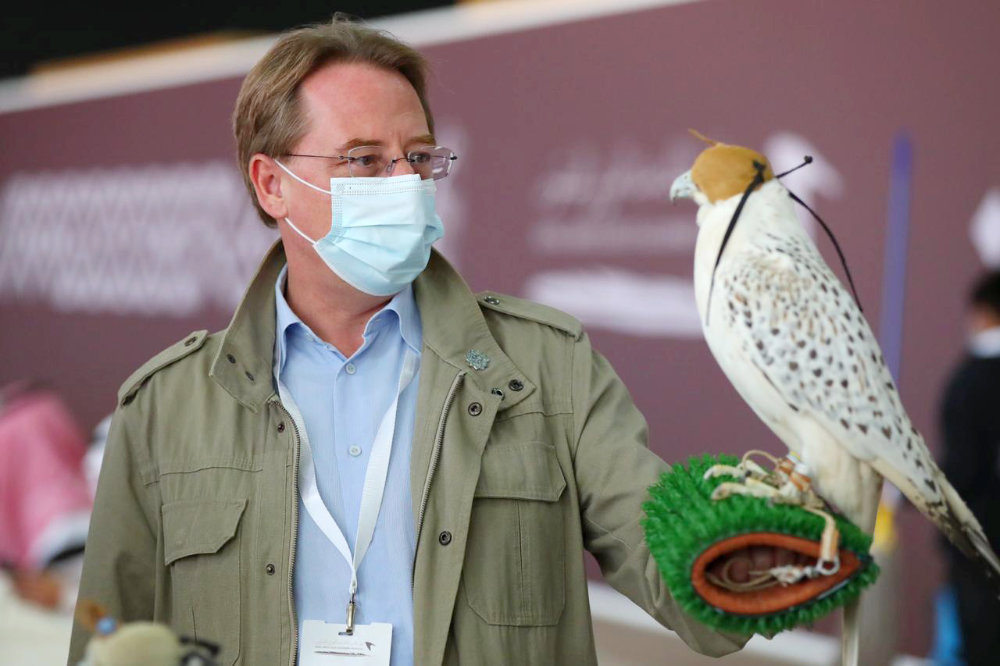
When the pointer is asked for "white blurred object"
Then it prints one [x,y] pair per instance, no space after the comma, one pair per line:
[29,634]
[95,454]
[984,229]
[140,642]
[155,643]
[91,250]
[620,300]
[785,150]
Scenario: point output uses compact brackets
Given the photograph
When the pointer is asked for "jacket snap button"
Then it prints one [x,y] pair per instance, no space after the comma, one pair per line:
[230,358]
[190,341]
[444,538]
[269,569]
[492,300]
[496,391]
[515,385]
[475,409]
[281,427]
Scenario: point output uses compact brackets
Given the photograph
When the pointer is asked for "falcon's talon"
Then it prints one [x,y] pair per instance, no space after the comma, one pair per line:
[786,484]
[723,470]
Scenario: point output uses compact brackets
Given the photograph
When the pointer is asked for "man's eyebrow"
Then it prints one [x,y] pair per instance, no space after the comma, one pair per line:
[354,143]
[423,139]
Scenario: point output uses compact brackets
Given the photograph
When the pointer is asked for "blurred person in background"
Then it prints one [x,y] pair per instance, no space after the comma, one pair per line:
[368,440]
[45,502]
[970,423]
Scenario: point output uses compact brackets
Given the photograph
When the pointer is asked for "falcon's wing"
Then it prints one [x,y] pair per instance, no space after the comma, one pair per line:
[803,330]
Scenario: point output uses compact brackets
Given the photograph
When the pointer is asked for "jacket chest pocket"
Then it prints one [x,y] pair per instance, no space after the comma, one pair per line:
[514,570]
[202,554]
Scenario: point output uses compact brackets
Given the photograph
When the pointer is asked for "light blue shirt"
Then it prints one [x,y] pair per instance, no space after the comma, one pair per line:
[341,402]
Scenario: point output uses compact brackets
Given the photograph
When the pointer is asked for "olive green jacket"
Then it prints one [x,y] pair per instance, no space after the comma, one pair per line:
[515,469]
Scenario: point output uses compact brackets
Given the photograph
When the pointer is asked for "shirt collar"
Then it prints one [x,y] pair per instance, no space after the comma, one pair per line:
[985,343]
[402,304]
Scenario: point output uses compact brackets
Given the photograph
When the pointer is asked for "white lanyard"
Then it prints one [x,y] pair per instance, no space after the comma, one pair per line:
[371,493]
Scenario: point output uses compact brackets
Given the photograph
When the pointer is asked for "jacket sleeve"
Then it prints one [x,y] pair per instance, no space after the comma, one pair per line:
[119,571]
[614,468]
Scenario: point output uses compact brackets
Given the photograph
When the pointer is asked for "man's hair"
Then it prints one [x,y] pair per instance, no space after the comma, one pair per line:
[985,293]
[268,117]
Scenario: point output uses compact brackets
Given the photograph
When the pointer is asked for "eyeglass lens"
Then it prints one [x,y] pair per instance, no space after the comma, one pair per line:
[372,161]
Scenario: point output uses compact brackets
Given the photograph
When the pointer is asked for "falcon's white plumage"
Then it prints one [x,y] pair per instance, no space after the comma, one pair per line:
[797,348]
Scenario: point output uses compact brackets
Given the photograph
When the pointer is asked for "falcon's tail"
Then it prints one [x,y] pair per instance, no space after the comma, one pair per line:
[966,533]
[951,515]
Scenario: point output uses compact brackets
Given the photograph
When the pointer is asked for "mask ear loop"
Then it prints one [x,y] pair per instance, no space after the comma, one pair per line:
[304,182]
[307,184]
[843,261]
[757,180]
[298,231]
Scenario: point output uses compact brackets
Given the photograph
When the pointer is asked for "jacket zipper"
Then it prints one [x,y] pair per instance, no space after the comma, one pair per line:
[295,533]
[435,455]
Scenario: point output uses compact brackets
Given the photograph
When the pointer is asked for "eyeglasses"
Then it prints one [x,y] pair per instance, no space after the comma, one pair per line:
[374,161]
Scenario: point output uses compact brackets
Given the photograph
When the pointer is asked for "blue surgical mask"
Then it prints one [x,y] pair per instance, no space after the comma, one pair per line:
[381,230]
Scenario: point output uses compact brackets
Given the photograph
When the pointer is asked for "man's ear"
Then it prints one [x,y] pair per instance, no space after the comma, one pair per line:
[265,175]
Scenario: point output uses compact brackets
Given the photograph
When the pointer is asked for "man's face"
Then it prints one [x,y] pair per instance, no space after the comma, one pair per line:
[348,105]
[981,318]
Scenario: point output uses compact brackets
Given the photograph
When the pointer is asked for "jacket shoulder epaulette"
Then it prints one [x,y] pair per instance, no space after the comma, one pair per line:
[542,314]
[187,345]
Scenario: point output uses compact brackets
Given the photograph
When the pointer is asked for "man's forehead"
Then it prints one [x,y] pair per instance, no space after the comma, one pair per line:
[360,100]
[334,76]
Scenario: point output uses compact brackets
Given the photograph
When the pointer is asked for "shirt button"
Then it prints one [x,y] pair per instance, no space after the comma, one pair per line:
[355,451]
[350,369]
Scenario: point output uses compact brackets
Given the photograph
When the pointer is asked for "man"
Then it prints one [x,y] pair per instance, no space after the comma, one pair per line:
[368,441]
[971,426]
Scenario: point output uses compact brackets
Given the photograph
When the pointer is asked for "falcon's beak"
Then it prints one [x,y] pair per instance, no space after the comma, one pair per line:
[683,187]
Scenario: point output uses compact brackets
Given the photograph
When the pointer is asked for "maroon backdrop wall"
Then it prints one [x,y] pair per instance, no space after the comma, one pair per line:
[123,224]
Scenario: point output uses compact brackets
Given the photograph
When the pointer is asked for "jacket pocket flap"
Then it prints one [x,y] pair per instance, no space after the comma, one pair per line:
[521,471]
[197,527]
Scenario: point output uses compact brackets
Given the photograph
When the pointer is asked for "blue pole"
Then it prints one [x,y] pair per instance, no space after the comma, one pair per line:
[896,245]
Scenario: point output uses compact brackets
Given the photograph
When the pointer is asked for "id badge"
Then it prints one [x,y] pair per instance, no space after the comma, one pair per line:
[324,644]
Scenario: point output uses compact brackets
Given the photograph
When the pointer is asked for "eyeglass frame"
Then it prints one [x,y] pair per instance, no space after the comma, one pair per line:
[390,164]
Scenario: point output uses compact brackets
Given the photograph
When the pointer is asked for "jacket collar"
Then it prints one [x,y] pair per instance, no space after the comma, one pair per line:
[454,329]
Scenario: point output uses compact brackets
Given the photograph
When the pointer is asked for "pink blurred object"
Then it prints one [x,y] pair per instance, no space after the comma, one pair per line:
[45,503]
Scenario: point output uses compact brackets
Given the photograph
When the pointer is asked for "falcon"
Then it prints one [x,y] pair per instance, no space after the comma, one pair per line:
[797,348]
